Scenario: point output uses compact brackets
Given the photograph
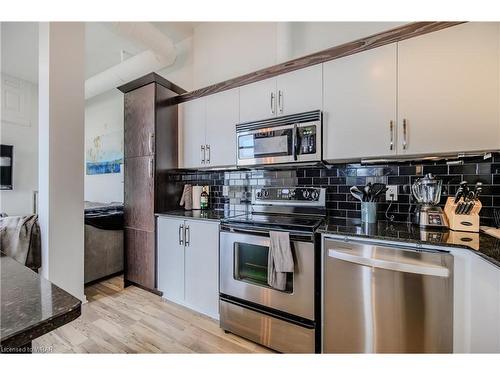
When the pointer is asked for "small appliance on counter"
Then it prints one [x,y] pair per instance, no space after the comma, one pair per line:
[427,192]
[463,209]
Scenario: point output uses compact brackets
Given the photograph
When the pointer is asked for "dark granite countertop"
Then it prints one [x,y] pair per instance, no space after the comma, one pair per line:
[482,244]
[212,215]
[31,306]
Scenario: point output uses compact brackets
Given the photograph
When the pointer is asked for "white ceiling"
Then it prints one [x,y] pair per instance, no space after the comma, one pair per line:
[102,46]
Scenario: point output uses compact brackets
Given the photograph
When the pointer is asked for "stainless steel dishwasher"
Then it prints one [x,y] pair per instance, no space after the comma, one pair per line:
[386,298]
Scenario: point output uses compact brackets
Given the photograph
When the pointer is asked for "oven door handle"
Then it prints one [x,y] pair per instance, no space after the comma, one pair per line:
[295,141]
[294,235]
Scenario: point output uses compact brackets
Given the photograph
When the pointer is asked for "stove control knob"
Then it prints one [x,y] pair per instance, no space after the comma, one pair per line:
[265,193]
[292,194]
[258,194]
[315,195]
[306,193]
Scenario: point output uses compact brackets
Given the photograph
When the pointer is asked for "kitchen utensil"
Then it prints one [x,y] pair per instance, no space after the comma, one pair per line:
[366,192]
[356,193]
[376,190]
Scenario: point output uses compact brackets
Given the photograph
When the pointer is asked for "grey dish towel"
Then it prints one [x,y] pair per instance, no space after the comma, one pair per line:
[20,239]
[280,259]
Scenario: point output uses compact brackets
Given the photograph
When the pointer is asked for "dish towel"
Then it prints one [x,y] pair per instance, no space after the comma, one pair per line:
[280,259]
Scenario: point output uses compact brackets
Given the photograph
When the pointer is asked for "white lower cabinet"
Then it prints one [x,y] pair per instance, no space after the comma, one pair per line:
[476,313]
[188,273]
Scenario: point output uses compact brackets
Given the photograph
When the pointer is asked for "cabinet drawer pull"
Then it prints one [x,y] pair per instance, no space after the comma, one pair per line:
[202,152]
[272,103]
[181,234]
[405,142]
[391,130]
[187,235]
[207,147]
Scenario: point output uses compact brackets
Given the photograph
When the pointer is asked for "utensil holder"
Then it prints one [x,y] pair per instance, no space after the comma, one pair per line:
[464,223]
[369,212]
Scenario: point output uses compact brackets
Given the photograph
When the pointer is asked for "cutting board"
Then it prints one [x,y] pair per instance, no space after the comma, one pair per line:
[495,232]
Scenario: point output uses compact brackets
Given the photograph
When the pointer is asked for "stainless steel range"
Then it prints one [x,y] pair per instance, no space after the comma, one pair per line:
[285,320]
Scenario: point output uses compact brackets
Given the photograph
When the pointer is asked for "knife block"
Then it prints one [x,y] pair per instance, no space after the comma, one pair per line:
[465,223]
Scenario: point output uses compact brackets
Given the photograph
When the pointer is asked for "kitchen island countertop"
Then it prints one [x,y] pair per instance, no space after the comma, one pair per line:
[31,306]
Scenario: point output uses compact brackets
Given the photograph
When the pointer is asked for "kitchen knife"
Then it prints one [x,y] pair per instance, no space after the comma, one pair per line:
[475,197]
[460,191]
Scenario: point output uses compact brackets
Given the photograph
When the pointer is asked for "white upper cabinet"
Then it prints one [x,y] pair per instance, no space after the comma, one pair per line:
[258,100]
[448,90]
[192,119]
[289,93]
[359,103]
[299,91]
[222,117]
[208,130]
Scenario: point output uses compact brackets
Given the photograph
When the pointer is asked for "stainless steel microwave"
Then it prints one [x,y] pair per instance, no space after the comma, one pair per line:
[280,140]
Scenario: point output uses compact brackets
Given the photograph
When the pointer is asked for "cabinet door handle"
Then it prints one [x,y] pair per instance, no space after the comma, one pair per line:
[272,103]
[391,130]
[280,101]
[150,168]
[187,235]
[151,143]
[181,234]
[405,142]
[202,154]
[207,147]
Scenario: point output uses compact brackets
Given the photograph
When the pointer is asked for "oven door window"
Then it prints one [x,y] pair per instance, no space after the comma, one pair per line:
[251,265]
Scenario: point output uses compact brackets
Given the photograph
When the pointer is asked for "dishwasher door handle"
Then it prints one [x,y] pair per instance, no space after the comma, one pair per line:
[420,268]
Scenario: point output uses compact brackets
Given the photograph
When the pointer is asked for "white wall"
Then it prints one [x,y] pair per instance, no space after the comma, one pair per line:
[20,129]
[61,148]
[104,115]
[224,50]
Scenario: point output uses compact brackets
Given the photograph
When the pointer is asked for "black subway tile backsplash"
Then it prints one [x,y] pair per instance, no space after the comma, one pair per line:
[339,178]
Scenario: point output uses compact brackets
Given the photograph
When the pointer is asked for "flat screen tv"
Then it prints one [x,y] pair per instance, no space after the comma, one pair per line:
[6,162]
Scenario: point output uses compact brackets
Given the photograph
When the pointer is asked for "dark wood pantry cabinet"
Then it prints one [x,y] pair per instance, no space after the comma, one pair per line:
[150,150]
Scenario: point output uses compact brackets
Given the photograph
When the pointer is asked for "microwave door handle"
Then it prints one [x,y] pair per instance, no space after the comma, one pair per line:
[295,141]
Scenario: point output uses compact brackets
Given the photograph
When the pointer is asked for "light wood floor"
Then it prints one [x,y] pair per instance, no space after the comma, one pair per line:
[131,320]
